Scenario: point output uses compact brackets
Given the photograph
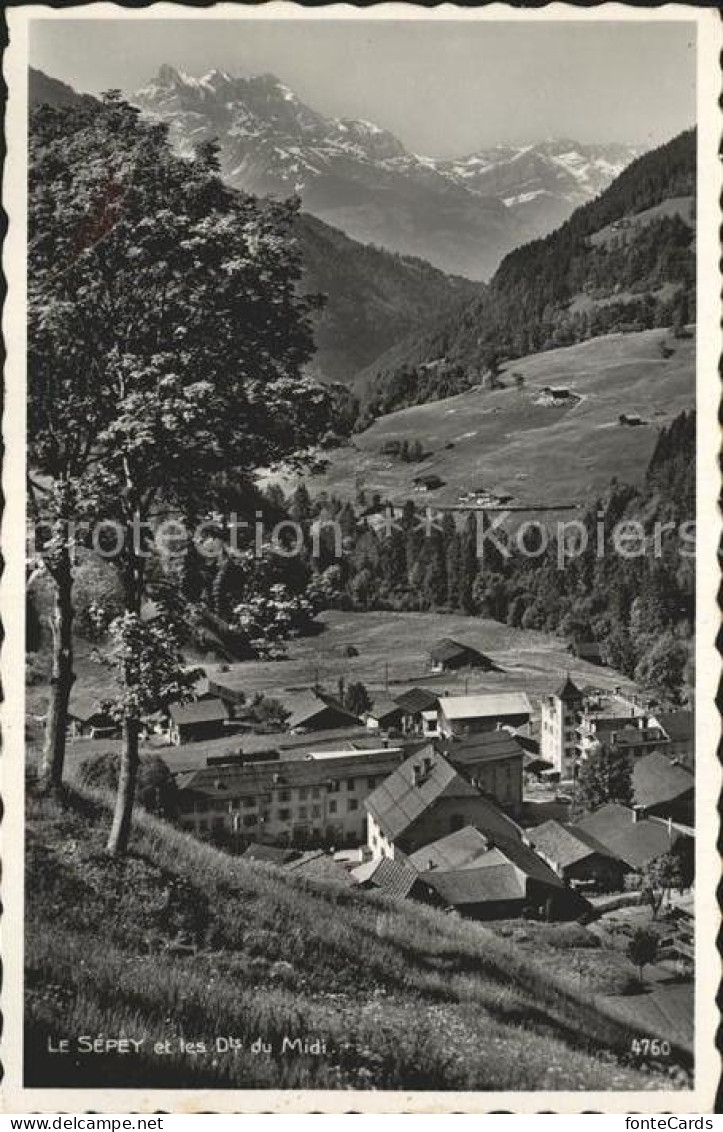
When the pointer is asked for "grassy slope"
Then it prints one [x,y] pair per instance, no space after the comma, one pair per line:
[503,441]
[404,997]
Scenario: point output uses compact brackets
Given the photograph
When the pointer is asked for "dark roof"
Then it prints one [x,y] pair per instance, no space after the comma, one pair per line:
[253,778]
[634,842]
[488,746]
[85,708]
[199,711]
[417,700]
[634,736]
[384,709]
[656,779]
[455,851]
[395,878]
[310,705]
[568,691]
[272,854]
[447,649]
[470,850]
[398,802]
[588,649]
[525,858]
[565,844]
[677,725]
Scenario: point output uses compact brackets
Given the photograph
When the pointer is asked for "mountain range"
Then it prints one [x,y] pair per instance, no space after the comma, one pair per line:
[461,215]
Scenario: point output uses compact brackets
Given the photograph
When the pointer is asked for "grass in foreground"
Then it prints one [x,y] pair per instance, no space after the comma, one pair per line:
[182,943]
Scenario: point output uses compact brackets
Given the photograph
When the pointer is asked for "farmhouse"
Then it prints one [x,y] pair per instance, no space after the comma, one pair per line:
[486,878]
[448,655]
[427,482]
[424,799]
[395,878]
[493,761]
[201,719]
[316,711]
[384,714]
[91,718]
[577,857]
[301,801]
[663,789]
[415,703]
[633,839]
[469,715]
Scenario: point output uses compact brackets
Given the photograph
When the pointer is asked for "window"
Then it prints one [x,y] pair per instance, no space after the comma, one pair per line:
[350,783]
[316,792]
[316,811]
[371,783]
[284,795]
[284,815]
[302,813]
[334,787]
[352,805]
[332,807]
[250,819]
[303,793]
[248,803]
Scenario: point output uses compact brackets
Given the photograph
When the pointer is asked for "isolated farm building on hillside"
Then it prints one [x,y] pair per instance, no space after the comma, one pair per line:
[427,482]
[424,799]
[576,856]
[493,761]
[469,715]
[487,877]
[662,789]
[201,719]
[448,655]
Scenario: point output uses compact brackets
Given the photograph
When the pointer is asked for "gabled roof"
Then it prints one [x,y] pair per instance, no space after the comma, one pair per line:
[199,711]
[384,709]
[634,842]
[656,779]
[239,780]
[489,746]
[568,691]
[565,844]
[399,802]
[395,878]
[679,726]
[455,851]
[447,649]
[485,705]
[417,700]
[478,886]
[309,705]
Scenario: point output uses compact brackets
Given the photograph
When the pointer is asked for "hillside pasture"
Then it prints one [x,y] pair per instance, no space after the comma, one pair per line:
[504,441]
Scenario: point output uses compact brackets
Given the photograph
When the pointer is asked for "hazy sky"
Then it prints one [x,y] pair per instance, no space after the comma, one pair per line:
[443,87]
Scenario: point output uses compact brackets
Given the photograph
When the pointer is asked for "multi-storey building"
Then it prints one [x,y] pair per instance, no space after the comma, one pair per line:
[559,721]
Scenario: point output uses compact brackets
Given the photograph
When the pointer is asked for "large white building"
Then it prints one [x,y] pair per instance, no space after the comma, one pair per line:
[559,722]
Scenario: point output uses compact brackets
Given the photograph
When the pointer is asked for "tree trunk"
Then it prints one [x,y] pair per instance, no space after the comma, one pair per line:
[121,828]
[62,677]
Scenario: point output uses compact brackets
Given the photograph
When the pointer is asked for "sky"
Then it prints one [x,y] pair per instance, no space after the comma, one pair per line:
[445,88]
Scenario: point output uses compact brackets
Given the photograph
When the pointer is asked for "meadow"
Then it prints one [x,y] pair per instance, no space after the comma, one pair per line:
[505,442]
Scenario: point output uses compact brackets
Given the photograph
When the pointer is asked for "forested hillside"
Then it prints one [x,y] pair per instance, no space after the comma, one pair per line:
[625,261]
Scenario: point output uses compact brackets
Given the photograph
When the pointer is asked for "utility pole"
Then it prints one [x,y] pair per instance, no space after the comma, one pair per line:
[386,676]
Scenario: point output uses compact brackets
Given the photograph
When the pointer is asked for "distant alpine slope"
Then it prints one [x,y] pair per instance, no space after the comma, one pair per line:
[461,215]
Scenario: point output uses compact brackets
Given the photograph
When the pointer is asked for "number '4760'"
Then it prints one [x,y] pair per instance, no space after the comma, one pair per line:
[650,1047]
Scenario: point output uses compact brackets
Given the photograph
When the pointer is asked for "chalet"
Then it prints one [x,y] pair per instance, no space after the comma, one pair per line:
[470,715]
[633,839]
[577,857]
[91,718]
[201,719]
[630,419]
[414,704]
[493,761]
[663,789]
[384,714]
[424,799]
[293,801]
[395,878]
[448,655]
[316,711]
[485,878]
[427,482]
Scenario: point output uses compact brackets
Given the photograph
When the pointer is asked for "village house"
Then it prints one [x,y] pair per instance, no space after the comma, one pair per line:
[492,761]
[577,857]
[395,878]
[317,711]
[91,718]
[559,720]
[634,839]
[304,801]
[663,789]
[384,715]
[487,877]
[200,719]
[486,711]
[448,656]
[677,732]
[424,799]
[416,704]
